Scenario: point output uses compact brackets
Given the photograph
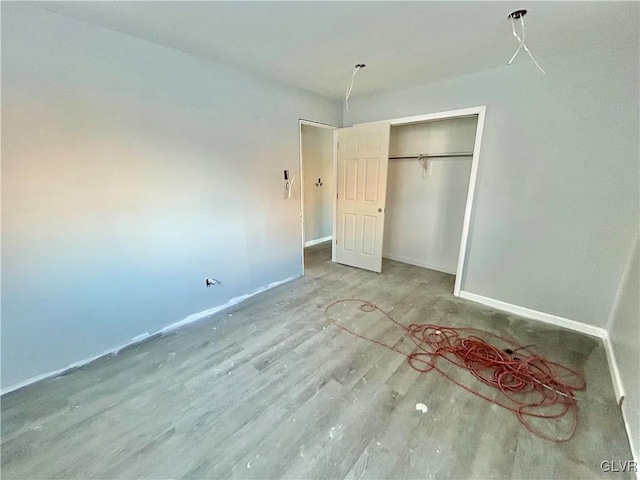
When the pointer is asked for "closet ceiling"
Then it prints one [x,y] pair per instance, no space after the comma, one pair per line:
[314,45]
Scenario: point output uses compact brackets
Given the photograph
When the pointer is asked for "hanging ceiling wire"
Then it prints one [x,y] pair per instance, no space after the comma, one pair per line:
[356,69]
[519,15]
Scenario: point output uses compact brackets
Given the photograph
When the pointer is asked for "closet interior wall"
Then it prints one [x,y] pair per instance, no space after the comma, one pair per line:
[424,216]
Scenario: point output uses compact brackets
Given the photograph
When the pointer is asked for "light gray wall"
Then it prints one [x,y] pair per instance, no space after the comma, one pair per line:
[130,172]
[317,157]
[556,205]
[424,216]
[624,332]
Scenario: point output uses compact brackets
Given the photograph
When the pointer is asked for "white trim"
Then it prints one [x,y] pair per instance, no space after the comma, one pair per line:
[618,386]
[536,315]
[313,124]
[417,263]
[334,192]
[311,243]
[623,282]
[632,442]
[145,336]
[464,112]
[317,124]
[464,238]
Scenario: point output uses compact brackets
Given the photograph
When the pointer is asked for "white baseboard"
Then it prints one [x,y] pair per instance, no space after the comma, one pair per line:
[598,332]
[142,337]
[536,315]
[317,241]
[438,268]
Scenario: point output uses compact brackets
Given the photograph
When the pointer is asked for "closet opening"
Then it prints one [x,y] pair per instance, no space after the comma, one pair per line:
[430,183]
[316,183]
[427,184]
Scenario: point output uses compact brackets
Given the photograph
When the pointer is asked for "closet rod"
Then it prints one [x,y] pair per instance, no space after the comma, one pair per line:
[433,155]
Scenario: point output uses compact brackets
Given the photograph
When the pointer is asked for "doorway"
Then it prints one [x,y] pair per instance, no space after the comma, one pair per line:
[316,184]
[429,170]
[478,116]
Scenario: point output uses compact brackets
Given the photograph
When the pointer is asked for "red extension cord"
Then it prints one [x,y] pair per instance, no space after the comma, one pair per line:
[518,376]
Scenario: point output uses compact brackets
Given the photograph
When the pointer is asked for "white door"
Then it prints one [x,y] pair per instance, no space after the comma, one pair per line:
[363,157]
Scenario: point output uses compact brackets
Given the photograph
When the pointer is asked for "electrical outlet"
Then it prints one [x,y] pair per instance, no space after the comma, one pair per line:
[211,281]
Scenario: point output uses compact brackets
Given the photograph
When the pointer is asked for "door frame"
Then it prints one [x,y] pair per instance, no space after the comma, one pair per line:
[480,111]
[311,123]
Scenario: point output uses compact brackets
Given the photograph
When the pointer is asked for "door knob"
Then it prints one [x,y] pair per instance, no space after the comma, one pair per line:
[379,210]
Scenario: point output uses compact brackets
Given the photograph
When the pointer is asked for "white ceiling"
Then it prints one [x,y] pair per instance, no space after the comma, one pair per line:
[314,45]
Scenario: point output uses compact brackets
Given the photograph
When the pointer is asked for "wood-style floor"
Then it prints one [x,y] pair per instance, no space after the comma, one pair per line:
[271,390]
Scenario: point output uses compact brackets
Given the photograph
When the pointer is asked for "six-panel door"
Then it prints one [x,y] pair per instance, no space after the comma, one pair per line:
[363,157]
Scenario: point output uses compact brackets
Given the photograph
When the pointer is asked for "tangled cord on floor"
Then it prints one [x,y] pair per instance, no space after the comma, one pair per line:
[518,378]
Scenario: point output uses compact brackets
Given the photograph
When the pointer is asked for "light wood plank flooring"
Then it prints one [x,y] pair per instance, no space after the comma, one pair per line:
[271,390]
